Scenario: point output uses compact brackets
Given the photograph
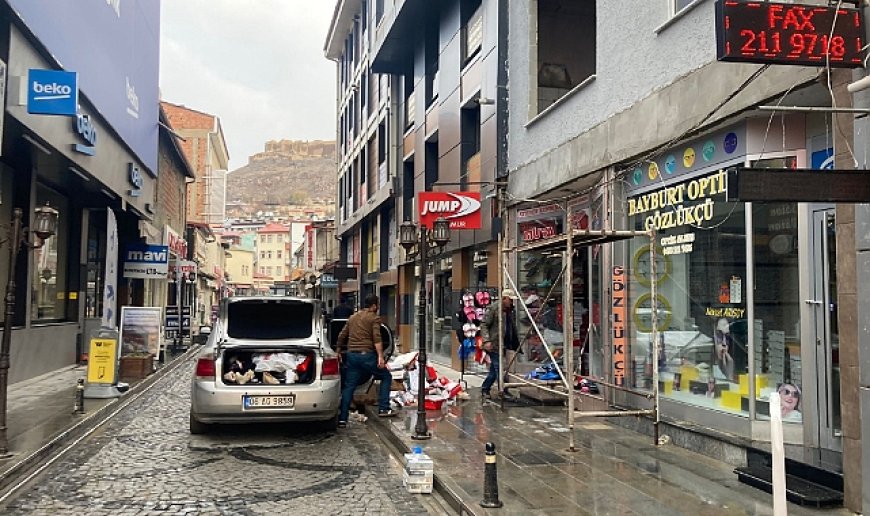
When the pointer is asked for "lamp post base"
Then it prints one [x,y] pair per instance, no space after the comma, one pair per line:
[424,437]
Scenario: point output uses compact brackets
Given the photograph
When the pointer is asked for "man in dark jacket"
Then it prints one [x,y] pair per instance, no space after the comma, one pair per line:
[359,344]
[342,310]
[489,333]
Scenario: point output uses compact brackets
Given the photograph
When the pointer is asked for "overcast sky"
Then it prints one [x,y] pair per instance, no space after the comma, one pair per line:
[256,64]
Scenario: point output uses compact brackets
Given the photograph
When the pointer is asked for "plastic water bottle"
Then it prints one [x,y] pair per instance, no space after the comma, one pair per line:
[419,472]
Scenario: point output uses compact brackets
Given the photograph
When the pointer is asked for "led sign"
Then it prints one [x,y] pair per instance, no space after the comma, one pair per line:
[770,32]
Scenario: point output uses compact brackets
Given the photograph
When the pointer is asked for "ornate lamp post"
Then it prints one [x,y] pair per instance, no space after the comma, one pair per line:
[408,237]
[44,227]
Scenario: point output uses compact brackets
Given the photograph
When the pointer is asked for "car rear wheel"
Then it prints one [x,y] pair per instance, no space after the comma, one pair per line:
[197,427]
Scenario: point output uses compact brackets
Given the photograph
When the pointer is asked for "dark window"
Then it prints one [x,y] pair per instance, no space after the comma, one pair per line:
[431,164]
[270,320]
[408,189]
[566,47]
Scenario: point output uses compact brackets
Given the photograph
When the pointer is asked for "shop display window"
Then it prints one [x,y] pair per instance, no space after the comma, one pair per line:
[777,309]
[701,305]
[49,264]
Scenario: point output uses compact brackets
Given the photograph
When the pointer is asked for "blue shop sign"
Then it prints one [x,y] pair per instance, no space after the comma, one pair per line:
[146,261]
[52,92]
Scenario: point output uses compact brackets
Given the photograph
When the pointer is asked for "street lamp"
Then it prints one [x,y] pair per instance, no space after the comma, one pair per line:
[408,237]
[44,227]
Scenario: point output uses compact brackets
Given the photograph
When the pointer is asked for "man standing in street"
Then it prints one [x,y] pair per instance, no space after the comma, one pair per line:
[489,333]
[342,310]
[359,345]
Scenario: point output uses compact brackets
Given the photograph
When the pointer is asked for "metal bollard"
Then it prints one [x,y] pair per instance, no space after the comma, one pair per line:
[490,480]
[79,406]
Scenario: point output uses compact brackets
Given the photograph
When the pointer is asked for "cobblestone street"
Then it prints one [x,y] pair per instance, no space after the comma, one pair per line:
[144,461]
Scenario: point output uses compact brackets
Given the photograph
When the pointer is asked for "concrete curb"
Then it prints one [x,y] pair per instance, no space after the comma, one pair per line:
[12,477]
[382,427]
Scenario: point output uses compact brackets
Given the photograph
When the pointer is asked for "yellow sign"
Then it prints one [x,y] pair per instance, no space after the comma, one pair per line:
[73,295]
[668,208]
[101,361]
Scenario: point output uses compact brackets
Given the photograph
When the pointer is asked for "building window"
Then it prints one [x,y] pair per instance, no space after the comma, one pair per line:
[566,48]
[49,265]
[470,134]
[279,271]
[472,28]
[269,239]
[263,239]
[379,10]
[269,255]
[280,254]
[262,255]
[269,271]
[679,5]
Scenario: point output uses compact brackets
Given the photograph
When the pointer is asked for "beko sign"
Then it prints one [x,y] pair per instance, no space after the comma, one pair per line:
[115,51]
[52,92]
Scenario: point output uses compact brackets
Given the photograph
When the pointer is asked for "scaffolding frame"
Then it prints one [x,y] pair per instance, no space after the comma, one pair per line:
[569,243]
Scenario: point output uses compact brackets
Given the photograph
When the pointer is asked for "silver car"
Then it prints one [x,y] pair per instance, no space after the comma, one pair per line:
[266,359]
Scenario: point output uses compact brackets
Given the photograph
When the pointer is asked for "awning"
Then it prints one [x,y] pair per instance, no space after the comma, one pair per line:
[297,274]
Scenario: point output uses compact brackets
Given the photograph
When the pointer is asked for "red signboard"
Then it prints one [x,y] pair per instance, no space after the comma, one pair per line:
[461,209]
[786,33]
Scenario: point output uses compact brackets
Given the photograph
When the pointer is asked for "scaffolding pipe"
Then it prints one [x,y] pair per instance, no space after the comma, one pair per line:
[616,413]
[568,325]
[655,330]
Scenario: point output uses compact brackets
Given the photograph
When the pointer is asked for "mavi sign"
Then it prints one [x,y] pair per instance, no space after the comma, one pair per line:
[146,261]
[52,92]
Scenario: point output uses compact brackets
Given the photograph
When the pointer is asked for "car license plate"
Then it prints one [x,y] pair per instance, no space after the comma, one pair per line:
[269,402]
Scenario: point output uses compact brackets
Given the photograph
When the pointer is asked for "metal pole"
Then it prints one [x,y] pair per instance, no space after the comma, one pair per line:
[568,327]
[655,331]
[421,429]
[6,343]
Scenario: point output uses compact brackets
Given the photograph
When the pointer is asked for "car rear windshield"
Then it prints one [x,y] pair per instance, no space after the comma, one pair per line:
[269,320]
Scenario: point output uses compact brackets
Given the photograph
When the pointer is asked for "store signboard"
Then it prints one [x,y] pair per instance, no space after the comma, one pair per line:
[114,45]
[540,222]
[52,92]
[619,336]
[146,261]
[102,361]
[789,185]
[140,330]
[461,209]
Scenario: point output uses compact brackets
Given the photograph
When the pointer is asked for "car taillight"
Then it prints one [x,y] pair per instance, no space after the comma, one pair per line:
[205,367]
[330,369]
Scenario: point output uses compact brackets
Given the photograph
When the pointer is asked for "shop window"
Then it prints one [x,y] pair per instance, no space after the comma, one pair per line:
[777,304]
[566,48]
[49,264]
[700,279]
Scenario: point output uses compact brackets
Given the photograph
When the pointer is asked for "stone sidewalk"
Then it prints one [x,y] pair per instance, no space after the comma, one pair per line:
[40,419]
[612,471]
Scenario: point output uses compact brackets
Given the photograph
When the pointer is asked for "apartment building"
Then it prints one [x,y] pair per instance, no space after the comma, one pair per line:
[273,252]
[206,150]
[447,62]
[367,129]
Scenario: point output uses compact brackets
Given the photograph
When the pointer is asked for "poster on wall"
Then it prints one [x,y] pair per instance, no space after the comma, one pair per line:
[140,330]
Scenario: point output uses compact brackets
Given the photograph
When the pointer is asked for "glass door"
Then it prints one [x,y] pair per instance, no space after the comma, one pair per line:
[823,306]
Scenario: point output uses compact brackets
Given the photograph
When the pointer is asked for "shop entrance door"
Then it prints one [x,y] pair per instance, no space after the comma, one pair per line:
[823,306]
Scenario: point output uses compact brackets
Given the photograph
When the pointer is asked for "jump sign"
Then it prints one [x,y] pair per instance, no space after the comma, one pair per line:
[777,33]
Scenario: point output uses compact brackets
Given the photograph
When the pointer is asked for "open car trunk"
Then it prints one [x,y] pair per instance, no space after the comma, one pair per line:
[268,366]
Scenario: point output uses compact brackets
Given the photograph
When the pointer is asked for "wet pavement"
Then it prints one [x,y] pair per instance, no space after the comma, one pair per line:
[144,461]
[612,471]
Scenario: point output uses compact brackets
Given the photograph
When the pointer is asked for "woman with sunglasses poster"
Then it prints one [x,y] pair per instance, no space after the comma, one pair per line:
[790,399]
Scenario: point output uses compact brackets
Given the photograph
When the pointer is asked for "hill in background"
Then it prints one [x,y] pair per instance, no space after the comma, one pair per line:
[288,176]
